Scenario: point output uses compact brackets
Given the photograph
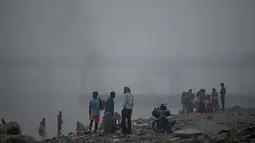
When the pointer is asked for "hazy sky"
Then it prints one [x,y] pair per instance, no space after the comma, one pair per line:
[161,47]
[52,51]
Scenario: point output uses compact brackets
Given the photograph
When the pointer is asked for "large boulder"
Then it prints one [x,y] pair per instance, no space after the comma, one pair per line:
[12,128]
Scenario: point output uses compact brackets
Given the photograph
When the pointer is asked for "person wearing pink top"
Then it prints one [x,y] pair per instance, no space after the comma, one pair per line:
[215,99]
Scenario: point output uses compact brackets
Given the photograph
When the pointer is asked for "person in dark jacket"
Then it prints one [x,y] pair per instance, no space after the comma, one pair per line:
[201,107]
[222,95]
[60,122]
[109,104]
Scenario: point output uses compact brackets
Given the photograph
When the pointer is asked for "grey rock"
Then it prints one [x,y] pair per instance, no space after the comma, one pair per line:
[18,139]
[188,132]
[12,128]
[209,117]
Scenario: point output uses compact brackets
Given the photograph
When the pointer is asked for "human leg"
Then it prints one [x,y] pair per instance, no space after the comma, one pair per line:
[97,119]
[123,121]
[129,115]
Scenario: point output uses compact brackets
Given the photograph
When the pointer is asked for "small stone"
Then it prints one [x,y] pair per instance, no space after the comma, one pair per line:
[116,140]
[187,132]
[210,117]
[118,132]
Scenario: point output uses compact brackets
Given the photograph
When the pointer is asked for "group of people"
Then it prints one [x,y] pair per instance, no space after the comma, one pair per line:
[202,102]
[96,105]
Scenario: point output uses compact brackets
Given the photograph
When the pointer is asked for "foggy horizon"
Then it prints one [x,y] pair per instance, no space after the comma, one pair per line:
[54,51]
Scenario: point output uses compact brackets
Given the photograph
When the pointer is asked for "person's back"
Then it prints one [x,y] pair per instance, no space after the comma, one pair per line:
[185,103]
[222,95]
[109,105]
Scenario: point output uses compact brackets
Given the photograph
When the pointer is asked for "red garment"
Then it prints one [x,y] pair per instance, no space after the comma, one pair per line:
[42,123]
[214,99]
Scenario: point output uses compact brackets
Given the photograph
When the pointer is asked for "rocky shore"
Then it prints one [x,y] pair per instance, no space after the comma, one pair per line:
[233,125]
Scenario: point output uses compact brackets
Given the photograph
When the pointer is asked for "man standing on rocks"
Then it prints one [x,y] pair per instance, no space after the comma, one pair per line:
[190,94]
[182,100]
[109,105]
[186,104]
[94,111]
[60,122]
[127,111]
[108,120]
[222,95]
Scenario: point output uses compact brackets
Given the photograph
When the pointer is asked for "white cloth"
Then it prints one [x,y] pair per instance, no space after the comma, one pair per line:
[129,101]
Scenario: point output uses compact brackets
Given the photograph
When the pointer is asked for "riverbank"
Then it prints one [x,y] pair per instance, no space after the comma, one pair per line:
[234,124]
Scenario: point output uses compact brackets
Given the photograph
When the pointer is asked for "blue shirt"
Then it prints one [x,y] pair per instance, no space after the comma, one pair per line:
[95,107]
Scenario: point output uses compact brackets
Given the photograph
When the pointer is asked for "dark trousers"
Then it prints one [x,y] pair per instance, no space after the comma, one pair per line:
[126,115]
[222,102]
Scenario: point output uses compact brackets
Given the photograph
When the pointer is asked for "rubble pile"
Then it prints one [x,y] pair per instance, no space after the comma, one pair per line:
[222,127]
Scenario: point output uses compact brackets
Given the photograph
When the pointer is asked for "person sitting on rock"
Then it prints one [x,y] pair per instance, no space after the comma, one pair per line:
[94,111]
[117,117]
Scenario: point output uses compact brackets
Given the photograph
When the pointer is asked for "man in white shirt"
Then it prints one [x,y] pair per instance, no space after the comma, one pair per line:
[127,111]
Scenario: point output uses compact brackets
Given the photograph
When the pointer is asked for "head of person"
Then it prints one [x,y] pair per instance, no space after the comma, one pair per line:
[43,119]
[222,84]
[190,90]
[125,89]
[95,94]
[3,121]
[129,90]
[60,112]
[214,90]
[112,94]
